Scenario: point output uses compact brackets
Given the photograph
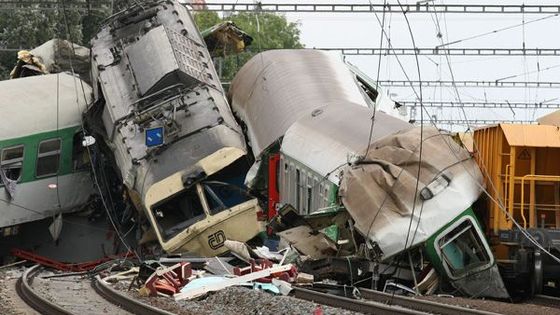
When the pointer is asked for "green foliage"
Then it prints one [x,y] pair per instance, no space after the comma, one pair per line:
[31,27]
[269,31]
[28,27]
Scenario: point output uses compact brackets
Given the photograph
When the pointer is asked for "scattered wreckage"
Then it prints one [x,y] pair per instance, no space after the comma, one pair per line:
[320,152]
[348,196]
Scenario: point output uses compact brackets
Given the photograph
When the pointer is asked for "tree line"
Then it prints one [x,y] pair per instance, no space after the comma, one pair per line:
[30,25]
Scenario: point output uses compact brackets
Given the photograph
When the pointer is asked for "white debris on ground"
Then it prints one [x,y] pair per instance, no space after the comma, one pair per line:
[238,300]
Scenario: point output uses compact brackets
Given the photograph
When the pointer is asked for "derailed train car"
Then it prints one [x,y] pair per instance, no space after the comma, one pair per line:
[168,129]
[405,189]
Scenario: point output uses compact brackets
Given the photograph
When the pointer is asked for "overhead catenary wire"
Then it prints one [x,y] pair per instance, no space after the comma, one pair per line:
[424,109]
[94,172]
[496,31]
[372,125]
[499,202]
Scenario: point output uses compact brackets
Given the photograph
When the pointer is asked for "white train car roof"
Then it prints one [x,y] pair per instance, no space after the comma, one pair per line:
[326,139]
[30,105]
[278,87]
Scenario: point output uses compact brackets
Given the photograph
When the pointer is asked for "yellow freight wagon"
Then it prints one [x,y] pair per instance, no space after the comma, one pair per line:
[521,164]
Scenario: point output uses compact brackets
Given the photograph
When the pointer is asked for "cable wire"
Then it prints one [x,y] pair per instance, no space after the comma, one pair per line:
[94,173]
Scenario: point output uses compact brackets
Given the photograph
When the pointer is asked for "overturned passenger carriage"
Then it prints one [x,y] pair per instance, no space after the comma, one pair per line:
[168,128]
[406,190]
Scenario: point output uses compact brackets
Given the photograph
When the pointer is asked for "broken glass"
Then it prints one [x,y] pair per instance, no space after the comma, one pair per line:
[463,250]
[12,162]
[178,213]
[221,196]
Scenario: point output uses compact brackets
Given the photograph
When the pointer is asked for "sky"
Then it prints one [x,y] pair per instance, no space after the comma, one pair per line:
[350,30]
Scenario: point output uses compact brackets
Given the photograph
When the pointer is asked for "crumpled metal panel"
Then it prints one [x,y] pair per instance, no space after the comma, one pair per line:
[151,69]
[278,87]
[383,197]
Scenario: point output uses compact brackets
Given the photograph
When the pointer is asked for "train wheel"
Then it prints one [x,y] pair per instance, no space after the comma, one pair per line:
[537,279]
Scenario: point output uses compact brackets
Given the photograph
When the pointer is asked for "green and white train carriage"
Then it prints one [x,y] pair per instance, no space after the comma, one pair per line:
[315,111]
[41,152]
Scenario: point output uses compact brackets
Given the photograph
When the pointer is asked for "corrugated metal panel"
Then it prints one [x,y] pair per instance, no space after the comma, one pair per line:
[382,196]
[532,135]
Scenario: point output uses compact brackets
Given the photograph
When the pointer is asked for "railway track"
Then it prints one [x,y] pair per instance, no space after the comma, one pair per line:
[77,296]
[378,302]
[545,300]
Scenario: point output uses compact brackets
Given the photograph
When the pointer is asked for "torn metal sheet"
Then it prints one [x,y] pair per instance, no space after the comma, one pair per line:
[9,184]
[382,195]
[313,244]
[59,55]
[56,227]
[226,37]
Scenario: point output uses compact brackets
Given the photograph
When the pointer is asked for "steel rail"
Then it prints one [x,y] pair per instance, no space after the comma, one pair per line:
[546,300]
[132,305]
[352,304]
[32,298]
[402,301]
[470,83]
[420,305]
[342,7]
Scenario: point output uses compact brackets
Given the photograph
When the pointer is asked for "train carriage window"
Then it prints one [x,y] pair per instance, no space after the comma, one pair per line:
[12,162]
[80,155]
[175,215]
[48,158]
[462,249]
[221,196]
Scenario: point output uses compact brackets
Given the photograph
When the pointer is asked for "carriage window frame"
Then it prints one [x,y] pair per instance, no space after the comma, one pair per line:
[46,155]
[452,272]
[13,161]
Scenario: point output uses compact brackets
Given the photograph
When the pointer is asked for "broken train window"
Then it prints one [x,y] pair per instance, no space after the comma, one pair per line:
[178,213]
[221,196]
[48,158]
[369,90]
[462,249]
[12,162]
[80,154]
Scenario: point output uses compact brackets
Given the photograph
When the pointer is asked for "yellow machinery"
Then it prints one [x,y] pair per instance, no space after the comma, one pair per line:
[521,164]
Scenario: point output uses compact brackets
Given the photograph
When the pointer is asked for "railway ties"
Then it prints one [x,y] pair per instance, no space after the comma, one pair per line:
[76,296]
[376,302]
